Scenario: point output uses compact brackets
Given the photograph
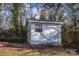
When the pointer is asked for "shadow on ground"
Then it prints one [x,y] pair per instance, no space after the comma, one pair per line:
[24,49]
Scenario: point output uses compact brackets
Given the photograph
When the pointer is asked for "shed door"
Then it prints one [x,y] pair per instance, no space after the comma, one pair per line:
[52,34]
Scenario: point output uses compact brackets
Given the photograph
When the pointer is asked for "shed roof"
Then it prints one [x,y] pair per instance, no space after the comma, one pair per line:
[45,22]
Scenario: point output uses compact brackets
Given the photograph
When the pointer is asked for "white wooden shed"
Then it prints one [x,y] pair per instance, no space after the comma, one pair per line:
[44,32]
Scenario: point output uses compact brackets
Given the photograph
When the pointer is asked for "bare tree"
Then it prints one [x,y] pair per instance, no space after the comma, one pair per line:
[55,11]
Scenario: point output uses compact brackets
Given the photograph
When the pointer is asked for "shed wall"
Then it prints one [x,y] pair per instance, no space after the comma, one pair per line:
[41,38]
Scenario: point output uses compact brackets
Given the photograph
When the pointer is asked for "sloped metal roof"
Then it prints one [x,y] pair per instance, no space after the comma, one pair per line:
[45,22]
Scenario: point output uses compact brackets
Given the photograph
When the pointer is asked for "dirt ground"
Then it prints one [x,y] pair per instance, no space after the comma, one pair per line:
[23,49]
